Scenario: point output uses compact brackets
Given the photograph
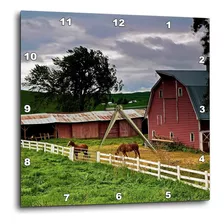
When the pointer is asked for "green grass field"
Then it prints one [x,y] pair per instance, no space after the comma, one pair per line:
[48,177]
[141,98]
[28,98]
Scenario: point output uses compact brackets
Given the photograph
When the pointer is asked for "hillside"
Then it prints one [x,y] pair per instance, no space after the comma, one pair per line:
[30,98]
[49,177]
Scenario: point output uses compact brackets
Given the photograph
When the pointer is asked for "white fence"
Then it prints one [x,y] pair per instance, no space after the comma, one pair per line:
[199,179]
[47,147]
[57,149]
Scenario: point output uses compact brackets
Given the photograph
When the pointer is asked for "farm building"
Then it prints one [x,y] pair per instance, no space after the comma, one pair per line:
[175,109]
[79,125]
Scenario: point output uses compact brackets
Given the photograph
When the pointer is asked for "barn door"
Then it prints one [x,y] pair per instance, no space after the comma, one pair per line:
[205,141]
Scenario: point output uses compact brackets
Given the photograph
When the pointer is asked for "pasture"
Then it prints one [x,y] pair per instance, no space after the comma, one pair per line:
[49,176]
[188,158]
[37,105]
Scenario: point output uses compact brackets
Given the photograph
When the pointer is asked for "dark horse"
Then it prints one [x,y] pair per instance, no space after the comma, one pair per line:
[79,148]
[124,148]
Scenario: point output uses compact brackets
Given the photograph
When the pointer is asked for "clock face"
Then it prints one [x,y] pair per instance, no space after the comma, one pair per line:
[114,109]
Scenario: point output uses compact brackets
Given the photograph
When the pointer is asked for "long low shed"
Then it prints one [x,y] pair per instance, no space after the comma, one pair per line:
[79,125]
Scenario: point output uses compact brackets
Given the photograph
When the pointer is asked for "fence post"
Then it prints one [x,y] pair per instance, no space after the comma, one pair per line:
[52,148]
[29,144]
[206,180]
[22,143]
[110,159]
[45,147]
[123,162]
[62,150]
[98,157]
[159,167]
[71,155]
[178,172]
[37,146]
[137,160]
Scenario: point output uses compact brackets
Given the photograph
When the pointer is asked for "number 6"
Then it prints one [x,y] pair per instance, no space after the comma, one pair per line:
[118,196]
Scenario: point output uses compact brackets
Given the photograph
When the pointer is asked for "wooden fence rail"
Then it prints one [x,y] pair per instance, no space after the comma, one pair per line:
[198,179]
[57,149]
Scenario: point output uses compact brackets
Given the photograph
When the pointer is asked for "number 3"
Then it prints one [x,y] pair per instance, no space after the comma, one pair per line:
[202,109]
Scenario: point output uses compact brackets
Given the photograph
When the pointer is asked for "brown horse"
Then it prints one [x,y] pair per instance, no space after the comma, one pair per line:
[33,137]
[124,148]
[79,148]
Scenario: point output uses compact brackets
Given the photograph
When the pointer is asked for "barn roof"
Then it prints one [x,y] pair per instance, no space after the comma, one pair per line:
[187,77]
[195,82]
[47,118]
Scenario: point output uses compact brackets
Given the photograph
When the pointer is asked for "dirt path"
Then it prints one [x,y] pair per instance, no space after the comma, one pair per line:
[183,159]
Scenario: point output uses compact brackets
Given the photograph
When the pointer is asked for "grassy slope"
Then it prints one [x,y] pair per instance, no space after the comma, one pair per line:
[49,177]
[28,98]
[141,98]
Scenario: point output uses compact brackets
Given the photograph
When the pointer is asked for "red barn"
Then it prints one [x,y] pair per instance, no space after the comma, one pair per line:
[175,109]
[79,125]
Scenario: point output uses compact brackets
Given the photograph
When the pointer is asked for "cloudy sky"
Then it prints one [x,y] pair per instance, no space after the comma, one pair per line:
[143,45]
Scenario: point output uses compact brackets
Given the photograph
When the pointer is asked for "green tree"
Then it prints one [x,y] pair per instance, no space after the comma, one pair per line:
[120,100]
[80,81]
[203,24]
[125,101]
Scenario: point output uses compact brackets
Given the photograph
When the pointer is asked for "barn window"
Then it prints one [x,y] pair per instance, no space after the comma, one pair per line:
[160,94]
[180,91]
[159,119]
[171,135]
[153,133]
[191,137]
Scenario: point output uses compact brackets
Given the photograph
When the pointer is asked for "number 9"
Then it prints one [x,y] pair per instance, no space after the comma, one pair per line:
[27,108]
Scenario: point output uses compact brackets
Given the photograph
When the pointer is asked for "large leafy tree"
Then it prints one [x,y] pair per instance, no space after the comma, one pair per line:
[79,81]
[203,24]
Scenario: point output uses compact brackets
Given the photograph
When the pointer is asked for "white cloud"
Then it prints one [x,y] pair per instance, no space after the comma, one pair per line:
[177,38]
[136,54]
[113,55]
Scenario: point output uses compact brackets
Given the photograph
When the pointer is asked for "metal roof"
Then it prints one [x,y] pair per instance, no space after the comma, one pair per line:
[187,77]
[141,111]
[37,119]
[197,95]
[46,118]
[195,82]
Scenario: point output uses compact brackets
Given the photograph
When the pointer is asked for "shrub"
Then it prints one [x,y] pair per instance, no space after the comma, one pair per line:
[204,166]
[178,146]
